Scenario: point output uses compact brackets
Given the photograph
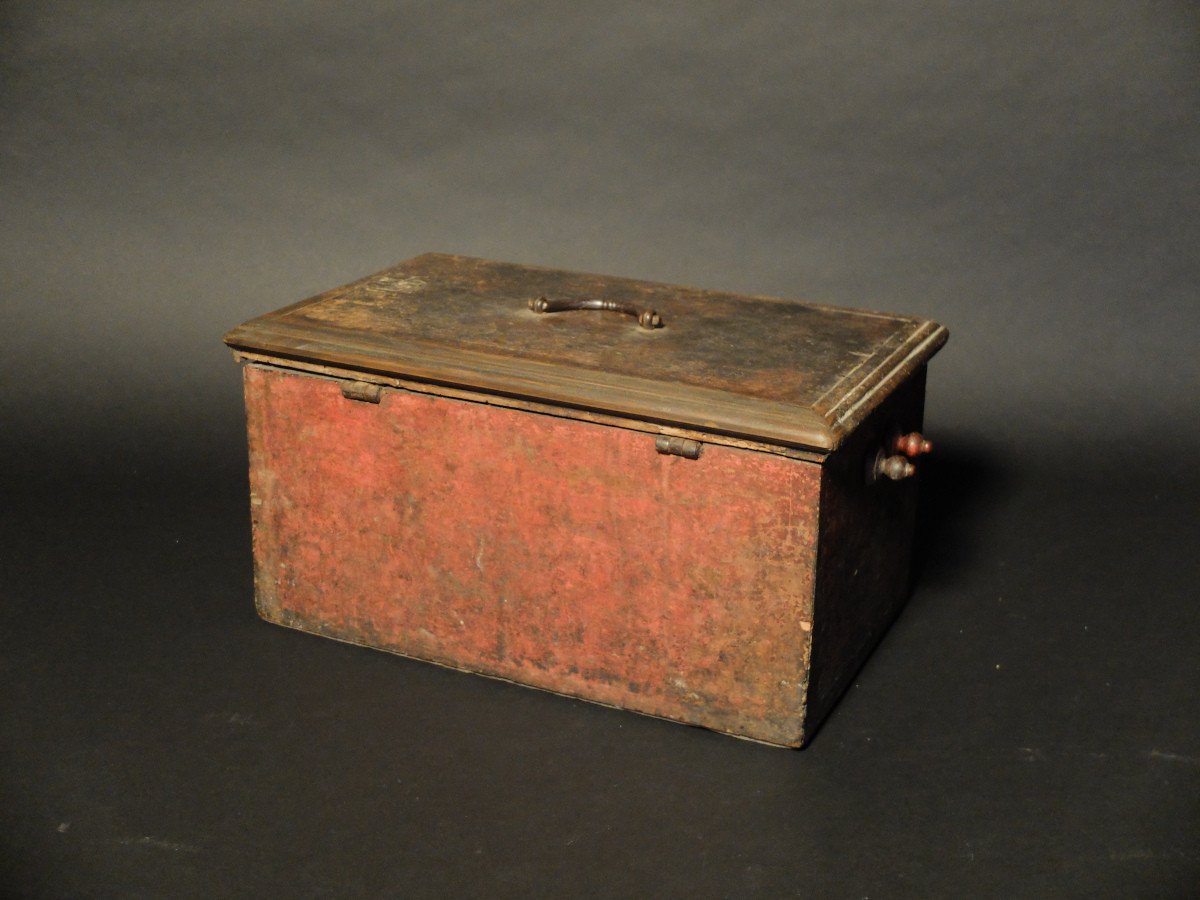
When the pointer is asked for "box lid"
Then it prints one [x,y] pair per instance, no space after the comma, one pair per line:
[759,368]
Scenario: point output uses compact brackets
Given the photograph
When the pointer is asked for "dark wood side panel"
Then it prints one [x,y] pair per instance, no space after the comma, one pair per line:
[864,550]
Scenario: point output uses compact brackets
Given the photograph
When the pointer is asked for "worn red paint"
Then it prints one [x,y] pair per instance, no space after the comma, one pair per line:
[561,554]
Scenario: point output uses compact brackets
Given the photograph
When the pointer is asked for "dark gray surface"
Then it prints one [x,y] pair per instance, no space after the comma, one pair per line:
[1025,174]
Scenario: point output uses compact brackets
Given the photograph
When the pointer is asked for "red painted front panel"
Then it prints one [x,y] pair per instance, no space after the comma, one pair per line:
[557,553]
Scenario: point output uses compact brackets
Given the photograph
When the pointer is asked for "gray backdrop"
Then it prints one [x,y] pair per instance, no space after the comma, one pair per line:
[1025,173]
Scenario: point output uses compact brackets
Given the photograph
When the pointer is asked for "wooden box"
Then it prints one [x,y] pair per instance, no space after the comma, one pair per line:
[690,504]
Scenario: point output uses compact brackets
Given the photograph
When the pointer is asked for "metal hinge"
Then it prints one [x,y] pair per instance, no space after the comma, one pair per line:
[362,390]
[677,446]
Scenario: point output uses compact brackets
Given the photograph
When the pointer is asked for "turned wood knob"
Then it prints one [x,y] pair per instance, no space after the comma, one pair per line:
[912,445]
[894,467]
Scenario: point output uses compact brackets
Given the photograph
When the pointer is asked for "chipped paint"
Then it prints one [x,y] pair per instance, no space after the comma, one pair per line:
[564,555]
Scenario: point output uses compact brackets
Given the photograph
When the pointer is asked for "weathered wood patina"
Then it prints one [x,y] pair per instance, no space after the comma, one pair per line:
[691,504]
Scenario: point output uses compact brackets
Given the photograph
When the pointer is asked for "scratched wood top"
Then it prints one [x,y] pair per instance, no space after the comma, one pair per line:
[756,367]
